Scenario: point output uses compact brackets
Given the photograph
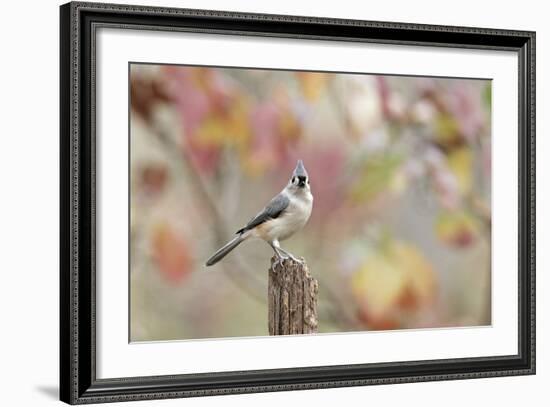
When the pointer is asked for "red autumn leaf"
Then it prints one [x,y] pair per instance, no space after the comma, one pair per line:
[377,322]
[192,101]
[214,112]
[326,166]
[171,253]
[152,179]
[267,147]
[145,93]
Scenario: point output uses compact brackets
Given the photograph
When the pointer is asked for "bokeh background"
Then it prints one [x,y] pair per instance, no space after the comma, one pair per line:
[400,168]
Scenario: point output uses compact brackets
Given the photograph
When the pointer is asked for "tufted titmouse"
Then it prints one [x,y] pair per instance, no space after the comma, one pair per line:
[283,216]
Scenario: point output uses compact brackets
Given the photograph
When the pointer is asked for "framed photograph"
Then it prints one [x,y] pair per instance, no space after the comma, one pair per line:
[254,203]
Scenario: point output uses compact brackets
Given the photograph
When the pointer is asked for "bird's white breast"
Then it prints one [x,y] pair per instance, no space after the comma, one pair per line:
[291,220]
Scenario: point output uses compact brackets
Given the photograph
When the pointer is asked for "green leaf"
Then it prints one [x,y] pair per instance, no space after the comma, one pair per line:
[376,176]
[488,95]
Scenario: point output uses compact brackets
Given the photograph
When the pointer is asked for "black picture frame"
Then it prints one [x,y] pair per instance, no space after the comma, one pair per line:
[78,382]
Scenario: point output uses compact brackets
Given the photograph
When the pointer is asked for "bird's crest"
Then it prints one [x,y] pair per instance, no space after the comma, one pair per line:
[300,170]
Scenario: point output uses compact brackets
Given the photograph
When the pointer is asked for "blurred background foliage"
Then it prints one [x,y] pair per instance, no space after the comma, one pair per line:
[400,168]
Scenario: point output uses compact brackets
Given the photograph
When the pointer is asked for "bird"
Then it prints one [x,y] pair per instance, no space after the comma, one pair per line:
[282,217]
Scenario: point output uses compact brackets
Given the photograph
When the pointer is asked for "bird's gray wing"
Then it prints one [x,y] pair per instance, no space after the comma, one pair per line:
[273,210]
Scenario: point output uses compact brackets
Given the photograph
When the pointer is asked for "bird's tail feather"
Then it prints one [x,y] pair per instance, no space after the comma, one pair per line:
[222,252]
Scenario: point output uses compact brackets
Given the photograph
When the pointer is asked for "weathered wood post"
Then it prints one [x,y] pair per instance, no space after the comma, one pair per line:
[292,298]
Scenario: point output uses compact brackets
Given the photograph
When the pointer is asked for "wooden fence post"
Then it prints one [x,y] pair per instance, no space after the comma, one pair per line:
[292,298]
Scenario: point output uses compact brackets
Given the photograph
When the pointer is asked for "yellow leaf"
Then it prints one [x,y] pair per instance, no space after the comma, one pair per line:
[211,132]
[446,130]
[420,276]
[312,84]
[378,284]
[289,127]
[231,128]
[238,125]
[457,228]
[395,278]
[460,163]
[255,165]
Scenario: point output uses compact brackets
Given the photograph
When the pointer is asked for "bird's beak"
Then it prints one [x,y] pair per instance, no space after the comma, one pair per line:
[300,170]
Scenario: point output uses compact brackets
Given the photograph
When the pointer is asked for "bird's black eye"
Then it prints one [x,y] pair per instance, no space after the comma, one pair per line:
[293,180]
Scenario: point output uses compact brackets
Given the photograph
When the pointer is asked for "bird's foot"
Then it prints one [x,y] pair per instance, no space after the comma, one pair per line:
[293,258]
[279,260]
[281,256]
